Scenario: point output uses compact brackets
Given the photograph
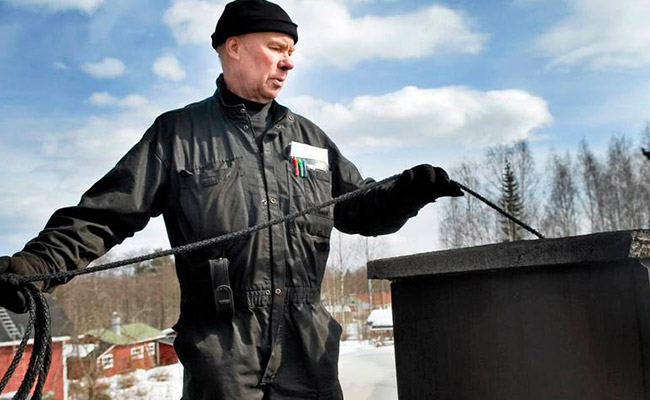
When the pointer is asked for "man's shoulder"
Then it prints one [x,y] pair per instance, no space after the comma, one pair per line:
[309,130]
[304,121]
[191,111]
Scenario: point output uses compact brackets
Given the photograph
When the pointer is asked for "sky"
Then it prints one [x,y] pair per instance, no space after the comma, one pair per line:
[394,83]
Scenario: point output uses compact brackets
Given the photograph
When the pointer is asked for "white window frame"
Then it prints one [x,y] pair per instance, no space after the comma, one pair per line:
[151,348]
[107,361]
[137,352]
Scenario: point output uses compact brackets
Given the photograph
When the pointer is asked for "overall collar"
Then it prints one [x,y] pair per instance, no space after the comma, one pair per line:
[236,107]
[230,99]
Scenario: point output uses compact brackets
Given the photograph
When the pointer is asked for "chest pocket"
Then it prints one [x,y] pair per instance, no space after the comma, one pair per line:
[313,189]
[212,198]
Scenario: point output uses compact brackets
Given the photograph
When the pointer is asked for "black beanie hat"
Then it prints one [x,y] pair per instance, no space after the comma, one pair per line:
[246,16]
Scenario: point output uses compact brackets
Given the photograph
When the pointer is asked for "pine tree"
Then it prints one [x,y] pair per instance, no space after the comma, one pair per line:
[510,201]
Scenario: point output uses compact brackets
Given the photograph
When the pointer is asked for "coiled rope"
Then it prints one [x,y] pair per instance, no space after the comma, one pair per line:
[39,316]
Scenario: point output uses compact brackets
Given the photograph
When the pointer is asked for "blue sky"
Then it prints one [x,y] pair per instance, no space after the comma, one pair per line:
[394,82]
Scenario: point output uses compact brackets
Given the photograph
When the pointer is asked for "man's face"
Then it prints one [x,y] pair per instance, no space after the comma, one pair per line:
[264,64]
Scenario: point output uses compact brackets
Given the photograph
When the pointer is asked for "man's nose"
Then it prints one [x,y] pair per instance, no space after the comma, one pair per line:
[286,63]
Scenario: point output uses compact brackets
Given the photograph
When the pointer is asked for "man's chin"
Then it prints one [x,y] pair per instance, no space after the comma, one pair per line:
[271,95]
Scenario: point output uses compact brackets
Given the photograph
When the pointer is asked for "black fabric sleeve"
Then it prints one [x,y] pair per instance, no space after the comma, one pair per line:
[113,209]
[375,212]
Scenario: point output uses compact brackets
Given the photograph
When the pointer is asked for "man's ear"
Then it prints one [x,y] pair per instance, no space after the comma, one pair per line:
[233,47]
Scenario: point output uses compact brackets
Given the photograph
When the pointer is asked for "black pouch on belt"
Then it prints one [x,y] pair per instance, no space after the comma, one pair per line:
[221,290]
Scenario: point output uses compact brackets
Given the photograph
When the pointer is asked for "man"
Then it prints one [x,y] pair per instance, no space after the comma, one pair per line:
[254,329]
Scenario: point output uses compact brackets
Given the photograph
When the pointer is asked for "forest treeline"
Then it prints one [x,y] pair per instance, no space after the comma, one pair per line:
[571,193]
[149,292]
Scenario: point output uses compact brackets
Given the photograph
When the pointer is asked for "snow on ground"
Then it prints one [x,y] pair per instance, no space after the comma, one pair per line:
[162,383]
[366,373]
[350,346]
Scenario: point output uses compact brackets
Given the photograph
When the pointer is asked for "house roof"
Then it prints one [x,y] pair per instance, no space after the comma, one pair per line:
[79,350]
[129,334]
[60,325]
[168,340]
[380,318]
[31,342]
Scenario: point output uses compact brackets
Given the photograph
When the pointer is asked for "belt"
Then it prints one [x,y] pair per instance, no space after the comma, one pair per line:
[262,298]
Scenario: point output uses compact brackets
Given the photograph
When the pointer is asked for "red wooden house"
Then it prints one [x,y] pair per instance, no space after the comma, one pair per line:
[166,352]
[380,325]
[124,348]
[56,383]
[379,300]
[12,327]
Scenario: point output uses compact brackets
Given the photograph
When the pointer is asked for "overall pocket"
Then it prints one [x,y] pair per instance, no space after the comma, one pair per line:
[212,198]
[310,190]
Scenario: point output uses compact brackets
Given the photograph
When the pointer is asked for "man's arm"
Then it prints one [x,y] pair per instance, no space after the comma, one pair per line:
[114,208]
[386,208]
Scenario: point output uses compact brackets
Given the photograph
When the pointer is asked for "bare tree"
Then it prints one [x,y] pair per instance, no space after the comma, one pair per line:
[374,248]
[644,173]
[343,259]
[561,215]
[623,209]
[465,220]
[593,182]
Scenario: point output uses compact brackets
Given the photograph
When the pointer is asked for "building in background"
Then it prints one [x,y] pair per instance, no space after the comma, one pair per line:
[380,326]
[12,328]
[166,352]
[120,349]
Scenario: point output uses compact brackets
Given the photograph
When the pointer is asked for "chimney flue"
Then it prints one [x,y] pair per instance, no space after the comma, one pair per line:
[115,323]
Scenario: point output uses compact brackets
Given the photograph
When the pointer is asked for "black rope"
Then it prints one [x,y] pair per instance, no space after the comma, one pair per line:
[23,343]
[39,362]
[39,316]
[208,242]
[500,210]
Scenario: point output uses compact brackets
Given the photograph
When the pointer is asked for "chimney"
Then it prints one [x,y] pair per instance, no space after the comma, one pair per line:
[115,323]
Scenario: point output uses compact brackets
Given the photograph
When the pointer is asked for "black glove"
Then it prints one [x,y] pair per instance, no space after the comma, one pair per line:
[10,297]
[423,184]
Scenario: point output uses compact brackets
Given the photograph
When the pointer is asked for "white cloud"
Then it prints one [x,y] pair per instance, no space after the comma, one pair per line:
[51,169]
[103,99]
[87,6]
[58,65]
[170,68]
[193,21]
[600,34]
[105,69]
[100,138]
[329,34]
[134,101]
[56,168]
[417,117]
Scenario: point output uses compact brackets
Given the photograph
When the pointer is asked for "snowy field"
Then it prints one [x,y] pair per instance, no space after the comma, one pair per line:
[365,372]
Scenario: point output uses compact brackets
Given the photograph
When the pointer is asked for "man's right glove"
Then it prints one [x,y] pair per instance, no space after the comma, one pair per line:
[423,184]
[10,296]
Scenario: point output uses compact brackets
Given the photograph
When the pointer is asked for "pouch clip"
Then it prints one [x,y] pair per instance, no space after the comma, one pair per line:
[223,296]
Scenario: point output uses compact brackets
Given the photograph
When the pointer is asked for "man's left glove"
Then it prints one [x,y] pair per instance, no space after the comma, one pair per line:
[423,184]
[10,297]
